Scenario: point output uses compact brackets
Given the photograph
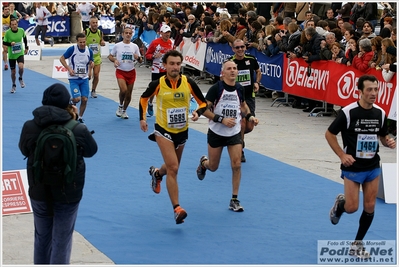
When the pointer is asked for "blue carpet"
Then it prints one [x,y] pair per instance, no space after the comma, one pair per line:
[286,208]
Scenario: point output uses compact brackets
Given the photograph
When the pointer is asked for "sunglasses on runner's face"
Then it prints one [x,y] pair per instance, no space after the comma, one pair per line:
[241,46]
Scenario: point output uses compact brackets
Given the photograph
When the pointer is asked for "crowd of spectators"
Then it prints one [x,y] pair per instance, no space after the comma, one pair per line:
[344,33]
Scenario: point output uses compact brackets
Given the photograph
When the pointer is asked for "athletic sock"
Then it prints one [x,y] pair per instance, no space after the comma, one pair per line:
[175,206]
[364,224]
[234,196]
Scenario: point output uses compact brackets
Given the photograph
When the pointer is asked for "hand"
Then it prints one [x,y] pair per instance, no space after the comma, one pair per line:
[195,116]
[254,120]
[305,58]
[229,122]
[347,160]
[116,63]
[143,125]
[256,87]
[102,43]
[360,54]
[390,142]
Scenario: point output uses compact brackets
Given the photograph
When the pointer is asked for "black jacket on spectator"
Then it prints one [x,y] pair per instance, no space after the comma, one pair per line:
[312,48]
[191,29]
[87,147]
[371,11]
[289,42]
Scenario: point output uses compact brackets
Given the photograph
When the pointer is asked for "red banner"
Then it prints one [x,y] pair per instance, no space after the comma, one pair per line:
[332,82]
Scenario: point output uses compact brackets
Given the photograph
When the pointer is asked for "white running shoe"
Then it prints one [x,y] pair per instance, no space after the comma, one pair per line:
[357,250]
[124,115]
[119,112]
[13,89]
[93,94]
[21,82]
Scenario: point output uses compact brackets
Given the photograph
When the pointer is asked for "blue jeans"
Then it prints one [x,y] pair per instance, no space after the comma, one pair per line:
[53,234]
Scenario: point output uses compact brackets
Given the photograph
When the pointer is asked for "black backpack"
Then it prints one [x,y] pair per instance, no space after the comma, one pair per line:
[55,155]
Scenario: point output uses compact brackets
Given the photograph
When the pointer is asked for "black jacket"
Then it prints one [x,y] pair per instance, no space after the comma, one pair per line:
[87,147]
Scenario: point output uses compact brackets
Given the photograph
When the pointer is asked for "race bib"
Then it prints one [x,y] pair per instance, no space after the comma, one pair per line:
[176,117]
[127,57]
[244,77]
[80,70]
[366,146]
[16,48]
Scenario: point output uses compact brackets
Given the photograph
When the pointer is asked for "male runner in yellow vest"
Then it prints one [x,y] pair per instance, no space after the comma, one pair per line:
[94,40]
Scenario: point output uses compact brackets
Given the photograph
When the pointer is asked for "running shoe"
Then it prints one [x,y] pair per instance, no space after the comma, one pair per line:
[21,82]
[6,67]
[124,115]
[93,94]
[358,250]
[51,41]
[155,182]
[180,215]
[201,169]
[13,89]
[243,159]
[119,111]
[235,205]
[81,120]
[150,110]
[333,212]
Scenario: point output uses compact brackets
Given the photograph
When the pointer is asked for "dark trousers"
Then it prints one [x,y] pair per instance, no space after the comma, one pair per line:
[53,234]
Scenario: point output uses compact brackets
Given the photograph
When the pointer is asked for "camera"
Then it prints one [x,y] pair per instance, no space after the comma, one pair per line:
[298,51]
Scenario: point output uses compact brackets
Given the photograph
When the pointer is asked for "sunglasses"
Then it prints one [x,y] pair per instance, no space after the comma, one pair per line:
[241,46]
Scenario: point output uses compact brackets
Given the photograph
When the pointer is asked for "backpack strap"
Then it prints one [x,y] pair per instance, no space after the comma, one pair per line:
[71,124]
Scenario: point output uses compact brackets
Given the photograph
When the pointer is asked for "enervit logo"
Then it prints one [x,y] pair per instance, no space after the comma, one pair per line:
[347,87]
[297,76]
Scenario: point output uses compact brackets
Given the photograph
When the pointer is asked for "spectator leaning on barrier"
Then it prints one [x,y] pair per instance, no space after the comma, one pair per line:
[385,57]
[376,48]
[361,60]
[389,69]
[352,51]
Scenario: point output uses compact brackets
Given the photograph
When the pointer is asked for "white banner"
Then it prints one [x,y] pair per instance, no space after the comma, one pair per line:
[32,41]
[34,53]
[393,115]
[58,70]
[195,56]
[105,50]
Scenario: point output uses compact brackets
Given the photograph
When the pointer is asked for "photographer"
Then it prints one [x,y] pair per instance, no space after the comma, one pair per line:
[288,41]
[271,43]
[311,52]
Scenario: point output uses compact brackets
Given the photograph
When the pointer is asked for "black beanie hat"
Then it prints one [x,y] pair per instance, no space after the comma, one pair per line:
[56,95]
[391,50]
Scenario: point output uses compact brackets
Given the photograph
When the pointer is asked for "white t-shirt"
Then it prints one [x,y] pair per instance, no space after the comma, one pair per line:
[84,10]
[42,13]
[124,53]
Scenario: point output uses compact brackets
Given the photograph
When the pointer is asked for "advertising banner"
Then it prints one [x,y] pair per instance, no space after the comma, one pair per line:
[59,26]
